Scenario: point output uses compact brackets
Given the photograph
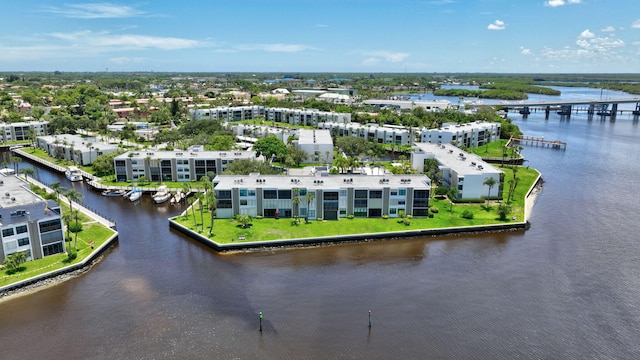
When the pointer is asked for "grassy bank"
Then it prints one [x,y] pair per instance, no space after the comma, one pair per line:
[449,215]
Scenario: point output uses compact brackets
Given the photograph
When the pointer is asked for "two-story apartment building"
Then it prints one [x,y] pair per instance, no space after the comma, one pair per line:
[307,117]
[21,130]
[468,135]
[385,134]
[328,197]
[80,150]
[462,171]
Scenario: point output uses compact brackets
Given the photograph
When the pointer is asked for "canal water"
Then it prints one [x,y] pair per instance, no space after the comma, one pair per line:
[566,288]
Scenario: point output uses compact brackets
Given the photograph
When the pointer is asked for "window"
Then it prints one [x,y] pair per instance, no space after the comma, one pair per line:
[224,194]
[7,232]
[23,241]
[224,204]
[375,194]
[50,225]
[251,193]
[284,194]
[270,194]
[402,192]
[360,203]
[330,195]
[361,194]
[243,202]
[243,192]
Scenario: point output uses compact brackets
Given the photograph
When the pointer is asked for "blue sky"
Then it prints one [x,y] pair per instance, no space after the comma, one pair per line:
[549,36]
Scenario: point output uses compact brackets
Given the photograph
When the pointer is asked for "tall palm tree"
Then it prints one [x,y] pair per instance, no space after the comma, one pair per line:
[75,214]
[57,189]
[310,196]
[212,205]
[73,195]
[67,220]
[295,201]
[490,182]
[15,160]
[27,172]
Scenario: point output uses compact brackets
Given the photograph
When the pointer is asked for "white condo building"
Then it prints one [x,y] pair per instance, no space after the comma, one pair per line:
[307,117]
[468,135]
[20,130]
[330,197]
[28,222]
[386,134]
[317,144]
[182,166]
[460,170]
[80,150]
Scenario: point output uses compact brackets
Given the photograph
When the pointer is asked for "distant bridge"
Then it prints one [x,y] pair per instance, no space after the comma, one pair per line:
[566,107]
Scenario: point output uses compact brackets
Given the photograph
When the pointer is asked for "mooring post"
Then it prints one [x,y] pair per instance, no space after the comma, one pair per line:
[260,321]
[369,318]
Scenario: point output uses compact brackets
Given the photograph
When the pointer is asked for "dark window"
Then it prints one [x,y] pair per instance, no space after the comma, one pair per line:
[50,225]
[375,212]
[270,194]
[421,194]
[333,195]
[420,212]
[361,194]
[7,232]
[375,194]
[21,229]
[284,194]
[52,249]
[224,204]
[420,203]
[224,194]
[23,241]
[360,203]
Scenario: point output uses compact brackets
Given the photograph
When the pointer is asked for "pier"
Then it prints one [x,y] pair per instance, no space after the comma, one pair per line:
[538,141]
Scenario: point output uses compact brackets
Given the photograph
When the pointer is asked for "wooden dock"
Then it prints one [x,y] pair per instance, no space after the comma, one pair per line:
[538,141]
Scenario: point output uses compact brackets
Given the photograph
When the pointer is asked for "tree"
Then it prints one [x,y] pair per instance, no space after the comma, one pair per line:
[75,214]
[270,146]
[244,220]
[57,189]
[296,155]
[73,195]
[490,182]
[503,211]
[212,205]
[16,160]
[15,260]
[310,196]
[295,201]
[90,147]
[27,172]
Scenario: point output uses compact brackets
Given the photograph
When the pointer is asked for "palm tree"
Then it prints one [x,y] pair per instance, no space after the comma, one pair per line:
[90,147]
[67,220]
[75,214]
[295,201]
[57,189]
[27,172]
[15,160]
[73,195]
[310,196]
[211,203]
[490,182]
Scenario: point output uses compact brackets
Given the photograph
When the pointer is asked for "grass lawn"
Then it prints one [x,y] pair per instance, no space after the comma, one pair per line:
[91,231]
[284,228]
[493,150]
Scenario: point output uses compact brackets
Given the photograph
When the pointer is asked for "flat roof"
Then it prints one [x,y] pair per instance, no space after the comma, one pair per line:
[15,195]
[456,159]
[141,154]
[306,136]
[331,182]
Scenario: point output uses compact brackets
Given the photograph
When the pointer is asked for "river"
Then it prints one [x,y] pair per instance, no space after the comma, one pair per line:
[566,288]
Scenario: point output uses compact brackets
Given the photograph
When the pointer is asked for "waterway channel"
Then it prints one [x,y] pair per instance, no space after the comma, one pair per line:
[566,288]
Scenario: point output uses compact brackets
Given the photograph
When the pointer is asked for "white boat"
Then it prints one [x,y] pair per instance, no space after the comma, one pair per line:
[135,195]
[73,174]
[161,195]
[113,193]
[177,198]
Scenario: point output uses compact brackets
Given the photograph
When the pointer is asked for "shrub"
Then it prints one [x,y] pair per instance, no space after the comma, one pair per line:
[350,216]
[467,214]
[385,216]
[434,209]
[319,219]
[258,217]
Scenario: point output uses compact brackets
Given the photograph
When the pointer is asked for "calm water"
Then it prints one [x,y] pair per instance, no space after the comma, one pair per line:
[567,288]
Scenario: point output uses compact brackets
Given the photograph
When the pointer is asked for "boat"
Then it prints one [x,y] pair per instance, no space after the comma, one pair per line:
[161,195]
[73,174]
[113,193]
[177,198]
[135,195]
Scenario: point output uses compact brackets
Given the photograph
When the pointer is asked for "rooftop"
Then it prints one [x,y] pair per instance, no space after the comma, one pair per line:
[452,157]
[18,202]
[322,181]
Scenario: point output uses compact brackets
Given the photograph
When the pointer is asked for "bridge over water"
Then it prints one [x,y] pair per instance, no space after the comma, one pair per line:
[602,107]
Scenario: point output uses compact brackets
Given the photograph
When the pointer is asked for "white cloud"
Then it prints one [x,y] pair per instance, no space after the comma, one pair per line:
[104,40]
[555,3]
[388,56]
[587,34]
[370,62]
[497,25]
[525,51]
[608,29]
[285,48]
[636,24]
[95,11]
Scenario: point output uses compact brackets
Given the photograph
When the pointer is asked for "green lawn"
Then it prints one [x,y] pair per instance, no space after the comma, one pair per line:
[448,216]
